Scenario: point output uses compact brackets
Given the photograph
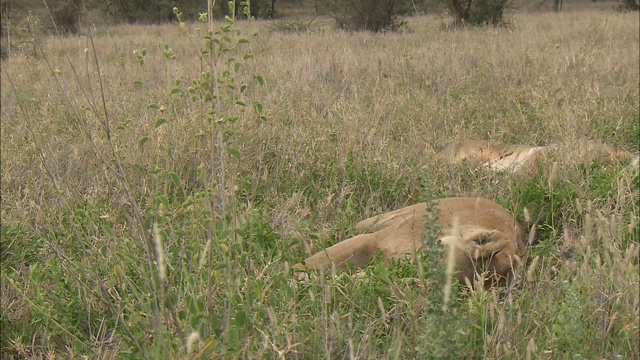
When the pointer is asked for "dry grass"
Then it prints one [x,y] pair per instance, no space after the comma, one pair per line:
[393,98]
[351,119]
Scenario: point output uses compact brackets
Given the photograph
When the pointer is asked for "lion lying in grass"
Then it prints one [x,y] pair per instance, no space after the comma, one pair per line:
[523,160]
[487,239]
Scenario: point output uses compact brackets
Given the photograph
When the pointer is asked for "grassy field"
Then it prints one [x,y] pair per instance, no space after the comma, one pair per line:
[155,196]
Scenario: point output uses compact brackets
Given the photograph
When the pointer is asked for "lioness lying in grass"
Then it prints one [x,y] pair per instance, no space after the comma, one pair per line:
[523,160]
[486,238]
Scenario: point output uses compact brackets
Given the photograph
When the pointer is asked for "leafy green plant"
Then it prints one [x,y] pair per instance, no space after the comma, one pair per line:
[443,336]
[568,327]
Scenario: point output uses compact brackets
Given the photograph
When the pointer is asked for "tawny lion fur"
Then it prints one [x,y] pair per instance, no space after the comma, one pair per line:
[522,160]
[487,239]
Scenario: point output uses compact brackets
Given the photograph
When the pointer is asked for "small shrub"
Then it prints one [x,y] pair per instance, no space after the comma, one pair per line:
[368,15]
[628,5]
[259,232]
[479,12]
[66,16]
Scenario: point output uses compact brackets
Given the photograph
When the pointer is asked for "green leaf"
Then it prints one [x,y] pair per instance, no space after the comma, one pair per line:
[243,41]
[246,56]
[196,320]
[236,67]
[123,124]
[163,200]
[172,299]
[175,178]
[142,141]
[200,303]
[258,106]
[171,154]
[159,122]
[137,83]
[181,232]
[241,318]
[191,305]
[242,259]
[153,106]
[240,102]
[235,153]
[260,79]
[107,230]
[176,90]
[233,337]
[103,250]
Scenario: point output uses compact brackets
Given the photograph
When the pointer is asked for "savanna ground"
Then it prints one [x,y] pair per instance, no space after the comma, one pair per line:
[145,219]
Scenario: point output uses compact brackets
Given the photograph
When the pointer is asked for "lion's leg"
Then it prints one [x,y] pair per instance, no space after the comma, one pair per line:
[357,251]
